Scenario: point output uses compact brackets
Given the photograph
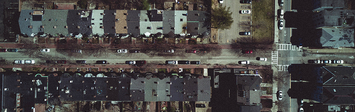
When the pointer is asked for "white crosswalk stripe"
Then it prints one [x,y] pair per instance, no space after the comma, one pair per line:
[274,57]
[287,47]
[282,67]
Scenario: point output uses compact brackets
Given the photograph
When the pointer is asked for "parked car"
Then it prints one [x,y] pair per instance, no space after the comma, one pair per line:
[244,62]
[279,95]
[169,51]
[245,1]
[261,59]
[191,51]
[244,33]
[77,51]
[311,61]
[301,109]
[29,61]
[19,62]
[281,3]
[80,61]
[281,24]
[131,62]
[338,61]
[327,61]
[3,50]
[140,62]
[60,62]
[183,62]
[171,62]
[200,105]
[280,13]
[195,62]
[247,51]
[244,11]
[45,50]
[101,62]
[134,51]
[220,1]
[11,50]
[122,50]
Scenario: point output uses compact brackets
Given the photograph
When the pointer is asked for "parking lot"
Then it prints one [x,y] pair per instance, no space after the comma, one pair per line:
[241,22]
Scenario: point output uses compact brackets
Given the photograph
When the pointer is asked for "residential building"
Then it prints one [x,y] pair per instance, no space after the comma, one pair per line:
[55,22]
[121,21]
[334,18]
[30,22]
[326,85]
[335,38]
[79,22]
[99,23]
[319,5]
[235,90]
[109,19]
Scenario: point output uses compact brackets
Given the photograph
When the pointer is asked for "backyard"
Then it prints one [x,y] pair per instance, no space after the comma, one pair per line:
[263,21]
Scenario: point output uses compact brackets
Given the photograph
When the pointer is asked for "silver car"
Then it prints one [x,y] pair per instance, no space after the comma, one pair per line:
[171,62]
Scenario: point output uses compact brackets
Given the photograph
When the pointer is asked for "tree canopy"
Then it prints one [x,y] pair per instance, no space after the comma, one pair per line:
[221,18]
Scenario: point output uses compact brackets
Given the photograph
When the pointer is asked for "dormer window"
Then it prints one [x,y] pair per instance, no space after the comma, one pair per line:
[181,19]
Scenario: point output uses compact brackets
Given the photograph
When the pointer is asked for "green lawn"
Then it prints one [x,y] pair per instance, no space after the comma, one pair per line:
[263,21]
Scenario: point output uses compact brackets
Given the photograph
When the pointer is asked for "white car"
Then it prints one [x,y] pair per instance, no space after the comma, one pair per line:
[279,95]
[327,61]
[281,24]
[46,50]
[245,11]
[220,1]
[244,62]
[24,61]
[338,61]
[122,51]
[261,59]
[19,61]
[29,61]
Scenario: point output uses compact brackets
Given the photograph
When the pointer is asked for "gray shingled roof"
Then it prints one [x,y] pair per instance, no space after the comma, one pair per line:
[204,89]
[55,21]
[176,89]
[108,22]
[74,20]
[168,22]
[150,89]
[190,89]
[24,22]
[335,38]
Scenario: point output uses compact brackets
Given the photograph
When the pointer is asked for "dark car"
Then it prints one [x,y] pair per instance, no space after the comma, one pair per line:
[183,62]
[191,51]
[80,61]
[3,50]
[195,62]
[200,105]
[12,50]
[101,62]
[134,51]
[245,1]
[312,61]
[247,51]
[77,51]
[140,62]
[60,62]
